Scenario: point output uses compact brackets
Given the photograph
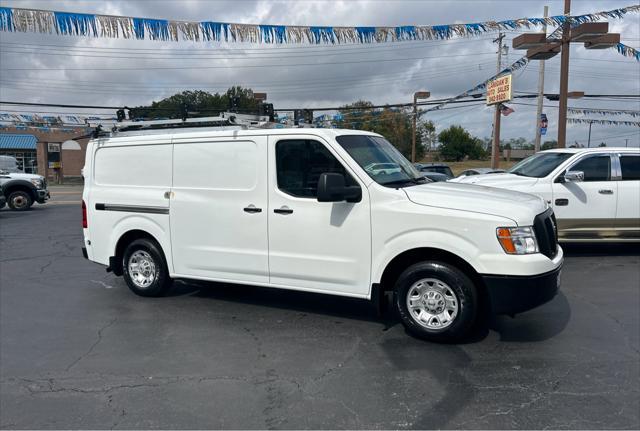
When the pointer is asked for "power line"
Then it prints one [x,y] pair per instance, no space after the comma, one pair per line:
[328,63]
[112,52]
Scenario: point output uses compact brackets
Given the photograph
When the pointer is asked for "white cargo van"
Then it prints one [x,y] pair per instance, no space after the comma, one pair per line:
[297,209]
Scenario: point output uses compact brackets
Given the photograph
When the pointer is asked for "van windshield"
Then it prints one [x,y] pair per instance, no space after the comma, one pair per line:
[539,165]
[381,160]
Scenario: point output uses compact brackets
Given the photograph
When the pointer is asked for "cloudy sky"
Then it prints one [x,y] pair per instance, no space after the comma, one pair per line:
[67,69]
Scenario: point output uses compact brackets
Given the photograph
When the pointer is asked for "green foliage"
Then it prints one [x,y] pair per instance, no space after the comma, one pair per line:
[547,145]
[456,144]
[197,103]
[392,123]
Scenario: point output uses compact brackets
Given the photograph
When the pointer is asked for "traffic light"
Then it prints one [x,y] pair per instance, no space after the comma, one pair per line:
[266,110]
[234,103]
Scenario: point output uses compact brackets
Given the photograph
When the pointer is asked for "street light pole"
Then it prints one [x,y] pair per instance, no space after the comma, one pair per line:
[536,146]
[589,140]
[564,77]
[415,121]
[417,95]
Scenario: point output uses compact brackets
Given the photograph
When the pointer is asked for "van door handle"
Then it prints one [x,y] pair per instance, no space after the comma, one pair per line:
[605,192]
[251,209]
[283,210]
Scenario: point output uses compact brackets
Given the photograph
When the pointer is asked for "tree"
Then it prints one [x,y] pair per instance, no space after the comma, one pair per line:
[602,144]
[427,134]
[198,103]
[457,143]
[547,145]
[392,123]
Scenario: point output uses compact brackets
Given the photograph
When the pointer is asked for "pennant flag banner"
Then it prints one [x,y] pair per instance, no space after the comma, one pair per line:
[604,122]
[122,27]
[628,51]
[31,120]
[582,111]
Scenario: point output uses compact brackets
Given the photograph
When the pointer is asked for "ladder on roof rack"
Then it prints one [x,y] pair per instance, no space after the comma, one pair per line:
[224,119]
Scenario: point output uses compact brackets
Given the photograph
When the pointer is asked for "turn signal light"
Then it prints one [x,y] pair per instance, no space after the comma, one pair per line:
[517,240]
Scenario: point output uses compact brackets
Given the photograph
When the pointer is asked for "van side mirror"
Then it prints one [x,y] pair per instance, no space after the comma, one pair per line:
[573,176]
[332,188]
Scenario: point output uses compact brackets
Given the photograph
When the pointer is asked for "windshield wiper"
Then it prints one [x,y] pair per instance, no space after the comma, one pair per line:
[406,182]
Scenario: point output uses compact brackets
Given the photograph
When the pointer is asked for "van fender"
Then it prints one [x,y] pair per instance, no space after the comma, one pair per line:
[146,224]
[424,238]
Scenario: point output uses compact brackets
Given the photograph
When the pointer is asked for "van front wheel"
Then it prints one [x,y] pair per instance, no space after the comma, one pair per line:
[145,269]
[436,301]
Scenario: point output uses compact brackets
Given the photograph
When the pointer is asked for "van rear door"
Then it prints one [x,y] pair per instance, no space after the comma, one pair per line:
[219,208]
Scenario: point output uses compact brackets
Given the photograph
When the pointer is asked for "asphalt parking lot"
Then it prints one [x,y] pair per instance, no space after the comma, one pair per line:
[79,350]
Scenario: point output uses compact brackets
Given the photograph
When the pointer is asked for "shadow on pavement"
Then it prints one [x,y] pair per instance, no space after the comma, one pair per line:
[537,325]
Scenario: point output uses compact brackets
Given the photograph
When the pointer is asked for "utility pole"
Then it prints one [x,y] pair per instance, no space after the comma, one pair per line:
[589,140]
[626,142]
[536,146]
[495,148]
[564,77]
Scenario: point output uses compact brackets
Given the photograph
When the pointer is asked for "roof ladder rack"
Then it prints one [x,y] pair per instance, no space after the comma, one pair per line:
[224,119]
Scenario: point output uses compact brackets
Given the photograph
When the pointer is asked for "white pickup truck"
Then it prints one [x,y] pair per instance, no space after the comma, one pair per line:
[595,193]
[297,209]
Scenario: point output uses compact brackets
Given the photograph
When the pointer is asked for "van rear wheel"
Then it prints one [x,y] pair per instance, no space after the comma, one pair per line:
[145,269]
[436,301]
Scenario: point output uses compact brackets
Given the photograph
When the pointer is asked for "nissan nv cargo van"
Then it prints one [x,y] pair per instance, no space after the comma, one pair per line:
[298,209]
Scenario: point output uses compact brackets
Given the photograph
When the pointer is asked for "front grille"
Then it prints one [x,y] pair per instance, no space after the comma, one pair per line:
[546,231]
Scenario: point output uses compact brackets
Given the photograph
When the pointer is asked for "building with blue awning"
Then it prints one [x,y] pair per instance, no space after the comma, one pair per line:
[23,148]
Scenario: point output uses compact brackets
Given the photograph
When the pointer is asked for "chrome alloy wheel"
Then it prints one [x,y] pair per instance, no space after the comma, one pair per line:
[432,303]
[142,269]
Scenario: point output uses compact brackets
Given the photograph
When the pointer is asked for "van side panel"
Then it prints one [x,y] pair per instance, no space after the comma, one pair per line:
[128,185]
[219,208]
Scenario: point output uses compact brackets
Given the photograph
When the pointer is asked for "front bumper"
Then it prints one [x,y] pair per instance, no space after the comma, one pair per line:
[42,195]
[515,294]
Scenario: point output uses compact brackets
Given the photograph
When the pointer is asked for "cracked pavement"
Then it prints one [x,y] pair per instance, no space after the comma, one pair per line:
[79,350]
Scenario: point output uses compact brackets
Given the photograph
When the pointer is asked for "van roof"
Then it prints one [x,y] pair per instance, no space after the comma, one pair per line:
[162,136]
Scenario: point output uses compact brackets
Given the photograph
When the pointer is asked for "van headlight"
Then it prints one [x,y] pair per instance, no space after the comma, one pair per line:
[37,182]
[517,240]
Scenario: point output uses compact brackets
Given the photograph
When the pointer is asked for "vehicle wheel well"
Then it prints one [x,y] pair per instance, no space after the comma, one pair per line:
[409,257]
[10,189]
[126,239]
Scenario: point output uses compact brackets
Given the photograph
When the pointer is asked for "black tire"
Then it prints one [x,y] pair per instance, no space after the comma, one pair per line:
[161,280]
[19,200]
[458,282]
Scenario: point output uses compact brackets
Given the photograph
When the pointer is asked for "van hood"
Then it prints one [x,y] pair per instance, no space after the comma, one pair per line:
[498,180]
[517,206]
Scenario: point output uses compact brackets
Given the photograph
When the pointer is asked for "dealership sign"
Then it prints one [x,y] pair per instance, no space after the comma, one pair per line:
[499,90]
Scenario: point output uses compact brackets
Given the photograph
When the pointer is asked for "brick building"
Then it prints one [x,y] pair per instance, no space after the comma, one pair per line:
[57,154]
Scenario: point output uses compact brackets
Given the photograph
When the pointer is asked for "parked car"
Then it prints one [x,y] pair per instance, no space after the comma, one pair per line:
[3,200]
[435,176]
[595,193]
[440,168]
[298,209]
[22,190]
[480,171]
[382,168]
